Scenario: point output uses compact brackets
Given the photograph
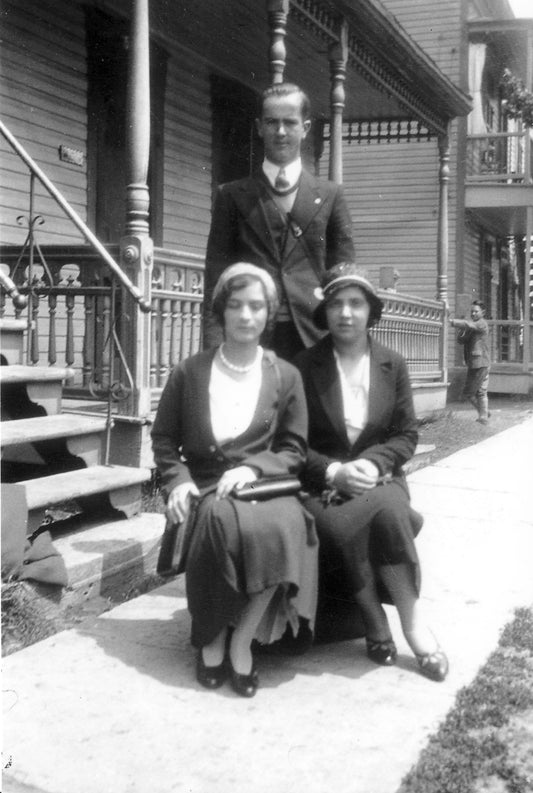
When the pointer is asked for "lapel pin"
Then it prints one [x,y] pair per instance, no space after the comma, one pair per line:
[318,200]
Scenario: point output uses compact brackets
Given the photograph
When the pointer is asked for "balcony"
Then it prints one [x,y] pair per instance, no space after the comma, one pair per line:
[499,179]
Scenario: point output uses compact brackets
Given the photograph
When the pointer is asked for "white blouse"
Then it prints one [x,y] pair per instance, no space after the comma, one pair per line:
[232,403]
[355,395]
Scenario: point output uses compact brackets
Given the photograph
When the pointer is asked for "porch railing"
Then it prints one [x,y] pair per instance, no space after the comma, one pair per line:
[504,157]
[71,301]
[506,342]
[414,327]
[71,309]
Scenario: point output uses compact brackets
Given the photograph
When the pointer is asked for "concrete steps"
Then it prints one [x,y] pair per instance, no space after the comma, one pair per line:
[54,475]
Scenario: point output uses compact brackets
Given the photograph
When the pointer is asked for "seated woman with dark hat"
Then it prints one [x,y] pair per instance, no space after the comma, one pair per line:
[362,429]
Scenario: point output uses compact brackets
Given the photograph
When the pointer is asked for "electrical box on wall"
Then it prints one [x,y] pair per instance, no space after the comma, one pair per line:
[72,156]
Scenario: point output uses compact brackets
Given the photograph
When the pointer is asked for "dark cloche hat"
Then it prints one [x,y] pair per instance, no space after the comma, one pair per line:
[338,277]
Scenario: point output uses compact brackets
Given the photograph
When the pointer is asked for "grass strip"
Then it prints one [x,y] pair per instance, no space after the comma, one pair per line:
[486,741]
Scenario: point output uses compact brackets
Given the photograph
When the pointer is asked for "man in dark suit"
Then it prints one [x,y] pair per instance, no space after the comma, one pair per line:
[282,219]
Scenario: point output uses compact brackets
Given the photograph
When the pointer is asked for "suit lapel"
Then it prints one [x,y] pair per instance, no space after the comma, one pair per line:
[327,382]
[250,198]
[378,394]
[309,201]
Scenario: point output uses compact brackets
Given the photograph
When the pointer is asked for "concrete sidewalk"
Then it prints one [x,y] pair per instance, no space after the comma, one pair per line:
[113,706]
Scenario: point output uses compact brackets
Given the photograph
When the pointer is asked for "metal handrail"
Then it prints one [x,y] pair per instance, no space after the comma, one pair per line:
[78,222]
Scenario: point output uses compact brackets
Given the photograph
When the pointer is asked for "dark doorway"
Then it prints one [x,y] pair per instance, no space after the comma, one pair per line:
[107,66]
[237,148]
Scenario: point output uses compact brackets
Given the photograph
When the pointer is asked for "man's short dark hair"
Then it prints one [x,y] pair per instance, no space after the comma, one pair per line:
[281,90]
[479,303]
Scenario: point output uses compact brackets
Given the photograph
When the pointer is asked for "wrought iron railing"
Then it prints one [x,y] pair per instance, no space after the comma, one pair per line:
[504,157]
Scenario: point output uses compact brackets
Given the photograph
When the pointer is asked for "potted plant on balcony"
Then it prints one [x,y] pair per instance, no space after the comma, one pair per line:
[517,101]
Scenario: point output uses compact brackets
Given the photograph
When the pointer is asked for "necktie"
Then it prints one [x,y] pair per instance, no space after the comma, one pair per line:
[281,183]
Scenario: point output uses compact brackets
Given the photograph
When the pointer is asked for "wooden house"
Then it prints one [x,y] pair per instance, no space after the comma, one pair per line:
[119,118]
[394,198]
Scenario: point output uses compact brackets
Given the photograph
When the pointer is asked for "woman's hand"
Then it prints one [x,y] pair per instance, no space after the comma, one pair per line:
[179,501]
[355,477]
[234,478]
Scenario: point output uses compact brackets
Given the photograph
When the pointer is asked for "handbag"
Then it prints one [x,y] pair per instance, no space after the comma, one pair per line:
[176,542]
[269,487]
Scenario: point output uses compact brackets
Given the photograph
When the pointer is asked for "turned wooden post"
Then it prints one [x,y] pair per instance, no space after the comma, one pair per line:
[442,235]
[338,56]
[136,247]
[277,12]
[442,246]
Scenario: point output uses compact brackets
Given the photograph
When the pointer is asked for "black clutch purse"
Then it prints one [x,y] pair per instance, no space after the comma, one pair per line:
[269,487]
[175,543]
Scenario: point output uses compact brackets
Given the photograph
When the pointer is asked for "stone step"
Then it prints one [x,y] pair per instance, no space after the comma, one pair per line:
[44,428]
[95,489]
[41,385]
[18,373]
[49,490]
[12,337]
[106,559]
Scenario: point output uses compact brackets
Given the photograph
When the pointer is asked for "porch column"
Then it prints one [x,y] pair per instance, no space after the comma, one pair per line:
[277,13]
[136,247]
[338,56]
[442,246]
[442,233]
[528,291]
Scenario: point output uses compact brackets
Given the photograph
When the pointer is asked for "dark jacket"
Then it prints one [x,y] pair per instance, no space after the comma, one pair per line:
[390,436]
[320,235]
[474,335]
[182,437]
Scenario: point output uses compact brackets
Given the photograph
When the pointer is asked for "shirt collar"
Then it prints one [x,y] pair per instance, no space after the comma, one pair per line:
[293,171]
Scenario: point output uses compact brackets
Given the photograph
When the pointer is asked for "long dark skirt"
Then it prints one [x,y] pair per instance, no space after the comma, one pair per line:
[242,548]
[356,537]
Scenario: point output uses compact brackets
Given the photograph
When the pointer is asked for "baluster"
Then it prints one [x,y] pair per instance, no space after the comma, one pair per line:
[163,342]
[88,354]
[277,12]
[2,303]
[184,347]
[69,346]
[52,348]
[34,333]
[106,350]
[154,343]
[195,327]
[174,329]
[338,56]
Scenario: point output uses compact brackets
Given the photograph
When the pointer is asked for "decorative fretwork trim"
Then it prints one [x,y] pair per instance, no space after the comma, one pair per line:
[324,24]
[384,131]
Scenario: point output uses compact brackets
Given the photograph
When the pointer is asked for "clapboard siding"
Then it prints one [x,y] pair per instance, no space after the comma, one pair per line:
[393,196]
[187,190]
[436,26]
[43,94]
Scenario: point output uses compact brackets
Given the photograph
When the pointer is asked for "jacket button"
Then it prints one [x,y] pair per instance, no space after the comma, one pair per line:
[212,448]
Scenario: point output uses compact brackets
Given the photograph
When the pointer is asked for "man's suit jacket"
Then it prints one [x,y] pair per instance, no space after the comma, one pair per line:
[320,235]
[390,436]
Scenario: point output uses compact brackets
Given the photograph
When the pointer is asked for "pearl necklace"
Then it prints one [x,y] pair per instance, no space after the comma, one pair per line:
[232,366]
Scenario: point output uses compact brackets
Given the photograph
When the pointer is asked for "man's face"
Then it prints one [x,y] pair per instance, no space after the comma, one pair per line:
[476,312]
[282,128]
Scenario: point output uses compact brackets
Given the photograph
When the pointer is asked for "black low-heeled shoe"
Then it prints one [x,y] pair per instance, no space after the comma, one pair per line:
[210,676]
[434,665]
[383,653]
[244,685]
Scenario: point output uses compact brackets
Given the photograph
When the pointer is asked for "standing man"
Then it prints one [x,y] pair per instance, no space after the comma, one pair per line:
[283,220]
[474,335]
